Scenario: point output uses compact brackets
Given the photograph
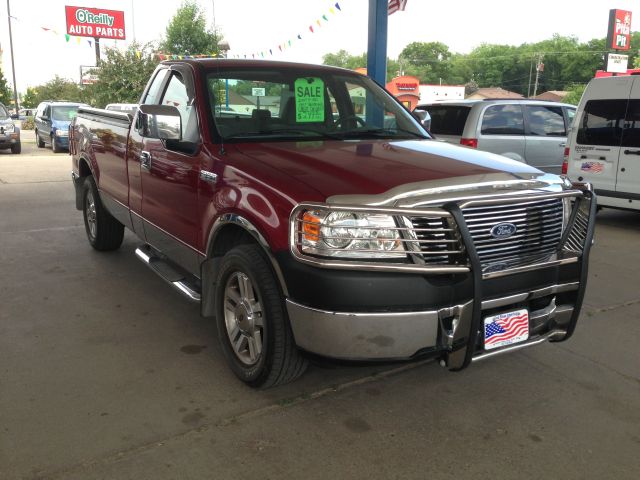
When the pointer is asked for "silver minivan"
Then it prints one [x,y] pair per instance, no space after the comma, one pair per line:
[530,131]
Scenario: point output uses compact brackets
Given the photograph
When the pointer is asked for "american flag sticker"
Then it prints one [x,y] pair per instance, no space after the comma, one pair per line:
[593,167]
[506,329]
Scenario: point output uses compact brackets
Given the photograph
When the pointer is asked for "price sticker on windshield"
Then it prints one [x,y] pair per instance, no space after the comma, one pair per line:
[309,93]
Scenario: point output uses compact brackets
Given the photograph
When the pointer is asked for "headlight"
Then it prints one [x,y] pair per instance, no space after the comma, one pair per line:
[350,235]
[62,133]
[8,127]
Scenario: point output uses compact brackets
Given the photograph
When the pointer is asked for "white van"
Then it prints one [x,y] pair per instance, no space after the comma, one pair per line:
[603,145]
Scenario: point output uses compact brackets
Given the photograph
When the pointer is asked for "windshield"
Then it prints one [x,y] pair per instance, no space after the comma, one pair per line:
[276,104]
[3,112]
[66,113]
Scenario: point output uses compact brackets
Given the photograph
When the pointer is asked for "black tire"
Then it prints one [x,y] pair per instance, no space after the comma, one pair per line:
[104,232]
[39,141]
[16,148]
[54,145]
[279,360]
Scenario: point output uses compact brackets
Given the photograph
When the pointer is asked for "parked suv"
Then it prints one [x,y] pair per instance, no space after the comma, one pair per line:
[530,131]
[52,123]
[9,133]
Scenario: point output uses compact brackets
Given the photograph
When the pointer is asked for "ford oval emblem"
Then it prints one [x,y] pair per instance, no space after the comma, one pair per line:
[503,230]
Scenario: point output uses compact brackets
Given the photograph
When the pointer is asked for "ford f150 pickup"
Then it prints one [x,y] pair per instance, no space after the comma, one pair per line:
[308,211]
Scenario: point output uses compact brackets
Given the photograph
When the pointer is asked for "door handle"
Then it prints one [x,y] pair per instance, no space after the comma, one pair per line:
[562,145]
[632,152]
[145,160]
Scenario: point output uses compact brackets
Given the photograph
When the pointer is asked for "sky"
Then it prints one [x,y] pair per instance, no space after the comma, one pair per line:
[252,26]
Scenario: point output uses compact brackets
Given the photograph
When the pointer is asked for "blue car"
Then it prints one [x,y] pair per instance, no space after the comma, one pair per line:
[52,123]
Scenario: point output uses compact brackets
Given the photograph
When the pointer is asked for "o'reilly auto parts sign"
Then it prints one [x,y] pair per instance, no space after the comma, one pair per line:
[95,22]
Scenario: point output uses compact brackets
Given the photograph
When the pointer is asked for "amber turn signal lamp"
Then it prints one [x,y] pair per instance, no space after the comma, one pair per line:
[310,227]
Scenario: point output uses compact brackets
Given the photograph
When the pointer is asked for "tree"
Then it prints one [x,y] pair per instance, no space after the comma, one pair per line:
[187,33]
[56,89]
[575,94]
[428,61]
[5,94]
[344,59]
[122,75]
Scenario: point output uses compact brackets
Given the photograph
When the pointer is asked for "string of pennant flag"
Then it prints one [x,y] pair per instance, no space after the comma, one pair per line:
[393,6]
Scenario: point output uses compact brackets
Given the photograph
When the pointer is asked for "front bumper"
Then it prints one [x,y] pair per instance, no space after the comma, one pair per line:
[412,314]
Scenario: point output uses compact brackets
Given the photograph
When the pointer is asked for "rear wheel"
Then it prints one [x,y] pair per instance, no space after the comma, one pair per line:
[104,232]
[16,148]
[39,141]
[253,326]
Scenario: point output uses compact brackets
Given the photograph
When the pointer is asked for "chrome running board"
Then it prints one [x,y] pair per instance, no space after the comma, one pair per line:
[182,282]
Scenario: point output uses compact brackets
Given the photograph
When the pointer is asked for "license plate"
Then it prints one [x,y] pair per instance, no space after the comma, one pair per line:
[506,329]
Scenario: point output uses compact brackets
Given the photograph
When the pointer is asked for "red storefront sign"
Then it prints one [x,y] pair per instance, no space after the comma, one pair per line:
[95,22]
[619,33]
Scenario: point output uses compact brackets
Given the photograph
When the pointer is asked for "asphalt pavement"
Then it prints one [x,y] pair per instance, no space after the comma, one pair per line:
[107,373]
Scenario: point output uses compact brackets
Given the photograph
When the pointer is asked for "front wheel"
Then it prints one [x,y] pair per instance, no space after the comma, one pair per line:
[253,326]
[39,141]
[104,232]
[54,145]
[16,148]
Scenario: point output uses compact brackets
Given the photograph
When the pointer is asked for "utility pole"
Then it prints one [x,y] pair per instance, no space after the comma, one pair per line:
[530,74]
[13,67]
[539,68]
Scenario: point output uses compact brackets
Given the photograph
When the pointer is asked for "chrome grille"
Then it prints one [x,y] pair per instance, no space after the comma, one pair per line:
[578,234]
[538,224]
[435,239]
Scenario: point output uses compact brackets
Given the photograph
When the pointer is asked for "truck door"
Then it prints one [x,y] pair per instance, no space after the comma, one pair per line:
[170,178]
[628,175]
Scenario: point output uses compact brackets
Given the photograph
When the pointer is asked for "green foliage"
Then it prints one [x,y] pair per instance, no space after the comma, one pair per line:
[187,33]
[56,89]
[122,75]
[575,93]
[567,61]
[6,97]
[427,61]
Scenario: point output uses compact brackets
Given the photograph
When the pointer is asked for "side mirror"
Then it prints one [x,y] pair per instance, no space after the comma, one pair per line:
[423,117]
[15,116]
[159,121]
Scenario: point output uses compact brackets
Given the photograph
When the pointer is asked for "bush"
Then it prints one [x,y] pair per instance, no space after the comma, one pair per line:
[28,124]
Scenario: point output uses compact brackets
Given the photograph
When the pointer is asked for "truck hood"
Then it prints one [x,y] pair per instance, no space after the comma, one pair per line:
[382,172]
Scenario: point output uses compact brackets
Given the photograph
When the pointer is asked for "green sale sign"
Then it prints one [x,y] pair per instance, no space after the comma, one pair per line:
[309,93]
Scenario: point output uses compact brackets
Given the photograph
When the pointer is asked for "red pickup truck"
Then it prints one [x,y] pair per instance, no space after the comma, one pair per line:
[308,211]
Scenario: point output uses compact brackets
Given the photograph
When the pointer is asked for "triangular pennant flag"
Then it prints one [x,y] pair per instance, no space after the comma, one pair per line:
[271,51]
[289,42]
[325,18]
[299,37]
[333,12]
[45,29]
[138,54]
[67,37]
[90,43]
[338,6]
[78,40]
[318,22]
[311,28]
[262,54]
[253,55]
[280,47]
[161,56]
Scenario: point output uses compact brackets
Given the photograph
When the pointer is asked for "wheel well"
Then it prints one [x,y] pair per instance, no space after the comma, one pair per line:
[230,236]
[83,168]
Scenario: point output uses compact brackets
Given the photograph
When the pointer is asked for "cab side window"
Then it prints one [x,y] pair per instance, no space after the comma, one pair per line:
[602,123]
[503,120]
[176,95]
[153,94]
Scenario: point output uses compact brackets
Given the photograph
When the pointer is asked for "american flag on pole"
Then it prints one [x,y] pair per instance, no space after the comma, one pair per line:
[395,5]
[506,328]
[594,167]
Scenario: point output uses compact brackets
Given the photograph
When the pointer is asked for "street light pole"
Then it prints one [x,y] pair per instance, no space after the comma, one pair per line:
[13,67]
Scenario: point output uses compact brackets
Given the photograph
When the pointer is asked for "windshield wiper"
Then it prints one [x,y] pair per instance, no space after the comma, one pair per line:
[377,132]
